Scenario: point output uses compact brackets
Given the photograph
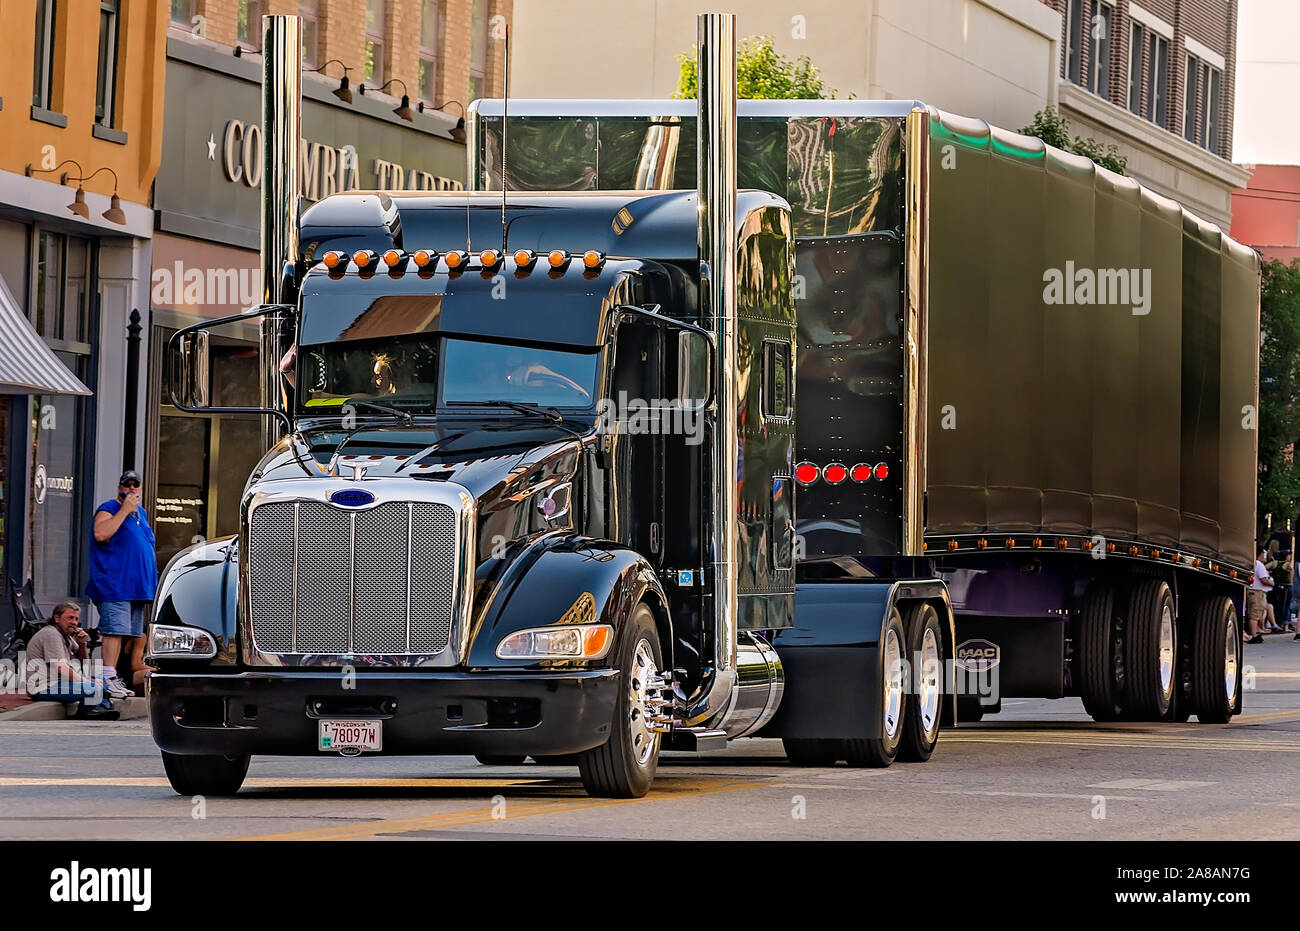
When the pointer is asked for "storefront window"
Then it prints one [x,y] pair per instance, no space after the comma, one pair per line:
[181,507]
[57,511]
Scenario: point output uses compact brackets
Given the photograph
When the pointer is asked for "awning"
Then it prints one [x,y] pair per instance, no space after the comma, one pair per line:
[27,365]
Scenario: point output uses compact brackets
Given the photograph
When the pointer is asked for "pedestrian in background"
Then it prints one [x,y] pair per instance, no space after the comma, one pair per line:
[52,674]
[123,574]
[1271,562]
[1257,599]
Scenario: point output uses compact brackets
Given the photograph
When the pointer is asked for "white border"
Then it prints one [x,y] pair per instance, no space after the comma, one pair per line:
[1205,53]
[1151,21]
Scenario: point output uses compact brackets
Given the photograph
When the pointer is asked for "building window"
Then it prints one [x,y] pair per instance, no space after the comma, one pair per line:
[183,12]
[1213,110]
[1157,78]
[478,50]
[375,41]
[310,13]
[61,302]
[1099,57]
[43,75]
[106,82]
[248,23]
[430,43]
[1191,97]
[1074,40]
[1136,38]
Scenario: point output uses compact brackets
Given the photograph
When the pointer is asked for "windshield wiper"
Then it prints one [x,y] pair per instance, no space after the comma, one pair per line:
[550,413]
[404,416]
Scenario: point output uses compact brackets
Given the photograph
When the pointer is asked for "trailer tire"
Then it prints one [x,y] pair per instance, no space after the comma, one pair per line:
[1150,651]
[811,751]
[925,696]
[205,774]
[877,752]
[500,759]
[624,766]
[1216,661]
[1101,654]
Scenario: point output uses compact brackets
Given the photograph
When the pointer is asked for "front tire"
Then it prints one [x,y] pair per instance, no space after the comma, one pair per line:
[925,695]
[811,751]
[877,752]
[1150,652]
[213,775]
[625,765]
[1216,661]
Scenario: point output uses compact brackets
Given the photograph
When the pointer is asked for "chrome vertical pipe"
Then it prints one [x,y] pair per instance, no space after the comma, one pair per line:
[281,130]
[716,177]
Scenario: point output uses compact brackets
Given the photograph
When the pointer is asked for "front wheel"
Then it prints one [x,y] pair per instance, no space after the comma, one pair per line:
[880,751]
[625,765]
[205,775]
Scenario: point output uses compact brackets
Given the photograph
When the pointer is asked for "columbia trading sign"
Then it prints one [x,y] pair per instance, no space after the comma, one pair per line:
[913,486]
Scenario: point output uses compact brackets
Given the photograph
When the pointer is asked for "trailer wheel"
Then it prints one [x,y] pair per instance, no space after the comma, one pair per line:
[499,759]
[205,774]
[625,765]
[880,751]
[1216,661]
[925,698]
[811,751]
[1101,654]
[1150,652]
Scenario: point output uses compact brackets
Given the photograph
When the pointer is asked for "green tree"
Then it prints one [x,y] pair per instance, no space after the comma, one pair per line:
[761,73]
[1279,386]
[1054,129]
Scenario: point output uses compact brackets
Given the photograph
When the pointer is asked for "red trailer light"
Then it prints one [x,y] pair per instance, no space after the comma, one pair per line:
[882,471]
[806,473]
[835,473]
[860,472]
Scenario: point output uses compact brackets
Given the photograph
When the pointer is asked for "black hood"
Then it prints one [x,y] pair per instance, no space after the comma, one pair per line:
[478,455]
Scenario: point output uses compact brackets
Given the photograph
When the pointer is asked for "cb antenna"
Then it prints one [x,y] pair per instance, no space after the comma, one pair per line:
[505,121]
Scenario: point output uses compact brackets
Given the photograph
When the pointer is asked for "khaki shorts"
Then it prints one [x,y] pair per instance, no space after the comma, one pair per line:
[1256,602]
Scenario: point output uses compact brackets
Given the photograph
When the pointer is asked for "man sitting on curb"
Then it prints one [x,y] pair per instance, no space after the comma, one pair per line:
[53,676]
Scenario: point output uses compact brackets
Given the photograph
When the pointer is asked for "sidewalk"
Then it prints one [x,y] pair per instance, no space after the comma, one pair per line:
[21,708]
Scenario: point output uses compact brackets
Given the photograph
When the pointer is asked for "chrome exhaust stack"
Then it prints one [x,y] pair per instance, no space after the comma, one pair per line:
[716,178]
[281,130]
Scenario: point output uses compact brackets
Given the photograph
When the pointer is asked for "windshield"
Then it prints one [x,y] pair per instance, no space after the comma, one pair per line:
[405,372]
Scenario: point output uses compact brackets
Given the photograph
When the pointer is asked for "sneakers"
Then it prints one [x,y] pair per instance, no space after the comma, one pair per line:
[116,688]
[85,713]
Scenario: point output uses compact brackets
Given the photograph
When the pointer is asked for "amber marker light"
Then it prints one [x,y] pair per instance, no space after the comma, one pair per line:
[557,259]
[595,640]
[363,258]
[525,259]
[392,258]
[457,260]
[489,258]
[333,260]
[592,260]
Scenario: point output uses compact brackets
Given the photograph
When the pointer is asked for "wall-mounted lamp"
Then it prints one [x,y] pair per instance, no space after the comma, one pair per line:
[458,133]
[404,108]
[114,213]
[343,92]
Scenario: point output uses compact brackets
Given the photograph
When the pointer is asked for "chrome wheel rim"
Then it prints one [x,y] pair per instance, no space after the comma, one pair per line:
[1166,650]
[1231,646]
[893,689]
[928,685]
[641,738]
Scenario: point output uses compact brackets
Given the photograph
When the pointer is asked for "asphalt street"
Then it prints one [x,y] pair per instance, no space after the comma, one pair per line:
[1041,769]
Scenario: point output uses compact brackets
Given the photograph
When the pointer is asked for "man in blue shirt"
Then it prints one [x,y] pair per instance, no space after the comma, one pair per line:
[123,574]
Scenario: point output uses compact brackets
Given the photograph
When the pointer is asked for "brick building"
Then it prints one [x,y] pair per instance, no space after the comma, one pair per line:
[440,50]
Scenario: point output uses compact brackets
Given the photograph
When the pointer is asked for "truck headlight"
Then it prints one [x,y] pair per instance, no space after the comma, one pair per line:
[181,642]
[577,641]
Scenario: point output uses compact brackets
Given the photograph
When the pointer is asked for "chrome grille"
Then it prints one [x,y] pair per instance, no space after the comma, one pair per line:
[330,580]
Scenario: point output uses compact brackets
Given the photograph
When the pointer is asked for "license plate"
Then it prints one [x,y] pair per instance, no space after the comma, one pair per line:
[351,737]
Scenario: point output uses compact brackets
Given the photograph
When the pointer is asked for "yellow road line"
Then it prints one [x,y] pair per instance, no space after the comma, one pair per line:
[512,811]
[1089,741]
[1292,714]
[275,782]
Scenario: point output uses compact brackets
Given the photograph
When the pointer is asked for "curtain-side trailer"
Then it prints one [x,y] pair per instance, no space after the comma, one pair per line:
[1017,372]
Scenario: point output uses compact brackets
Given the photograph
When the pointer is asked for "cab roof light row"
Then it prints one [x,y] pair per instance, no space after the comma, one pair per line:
[837,473]
[457,260]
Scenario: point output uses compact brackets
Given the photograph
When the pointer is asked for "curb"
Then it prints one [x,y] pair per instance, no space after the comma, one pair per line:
[132,709]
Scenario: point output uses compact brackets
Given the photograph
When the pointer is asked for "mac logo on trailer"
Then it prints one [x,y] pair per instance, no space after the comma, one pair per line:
[978,655]
[352,498]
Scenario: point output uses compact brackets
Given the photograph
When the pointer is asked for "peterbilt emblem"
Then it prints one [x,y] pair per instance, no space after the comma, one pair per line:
[352,497]
[978,655]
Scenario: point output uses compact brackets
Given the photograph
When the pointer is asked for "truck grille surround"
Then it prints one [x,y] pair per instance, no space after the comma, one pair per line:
[332,580]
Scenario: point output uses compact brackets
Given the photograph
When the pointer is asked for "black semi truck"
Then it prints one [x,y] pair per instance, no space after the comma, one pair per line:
[530,490]
[1017,372]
